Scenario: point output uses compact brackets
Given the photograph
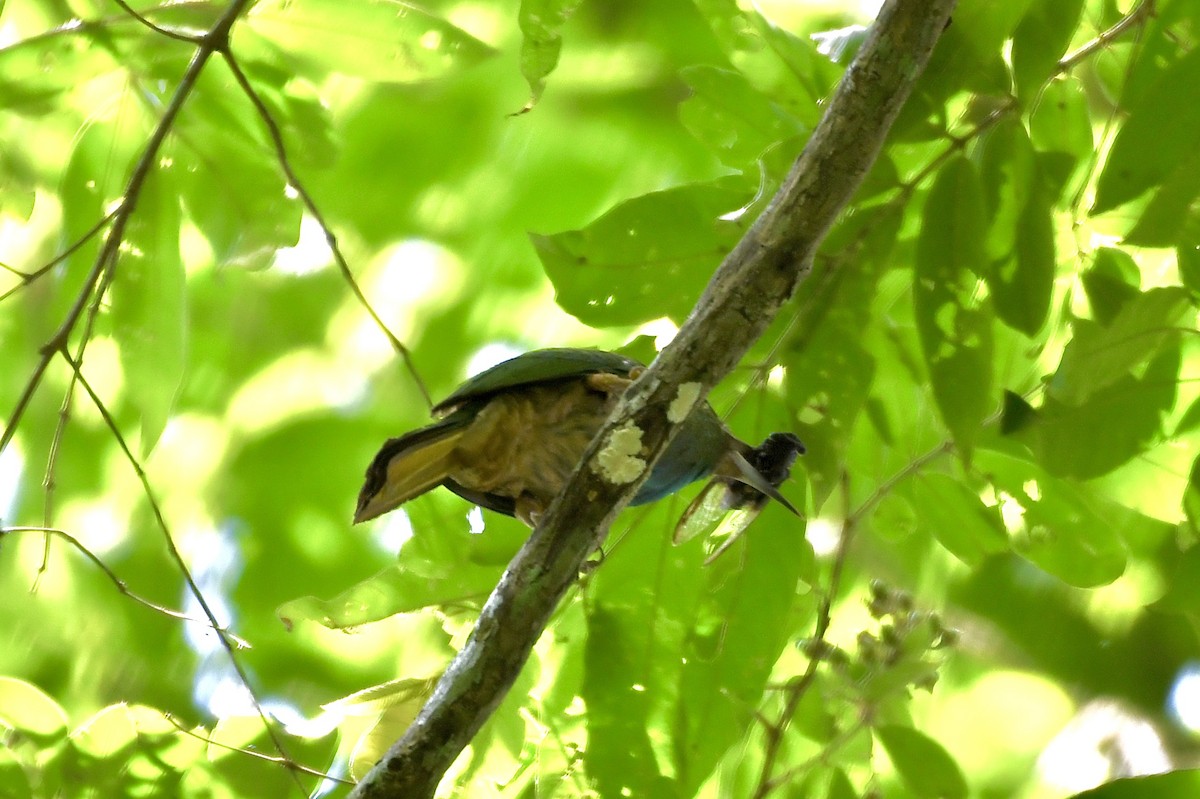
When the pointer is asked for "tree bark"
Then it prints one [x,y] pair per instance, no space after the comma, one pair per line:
[744,296]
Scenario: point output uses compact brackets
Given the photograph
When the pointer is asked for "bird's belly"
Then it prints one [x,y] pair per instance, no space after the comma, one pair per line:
[527,442]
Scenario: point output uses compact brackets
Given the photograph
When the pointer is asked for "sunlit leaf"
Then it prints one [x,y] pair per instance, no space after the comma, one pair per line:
[1173,201]
[389,41]
[1111,426]
[117,727]
[953,322]
[772,59]
[25,707]
[35,70]
[233,189]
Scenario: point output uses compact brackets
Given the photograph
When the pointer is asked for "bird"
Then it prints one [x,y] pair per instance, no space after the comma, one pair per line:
[509,438]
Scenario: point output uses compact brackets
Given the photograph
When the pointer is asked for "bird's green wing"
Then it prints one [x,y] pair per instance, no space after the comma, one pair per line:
[538,366]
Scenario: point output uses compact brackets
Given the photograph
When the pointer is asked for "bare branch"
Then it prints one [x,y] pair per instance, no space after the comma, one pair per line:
[742,299]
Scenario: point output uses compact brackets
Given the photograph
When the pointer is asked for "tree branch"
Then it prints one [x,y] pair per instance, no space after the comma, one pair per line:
[742,299]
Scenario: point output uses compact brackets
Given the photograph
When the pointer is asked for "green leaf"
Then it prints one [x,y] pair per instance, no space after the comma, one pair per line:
[1063,527]
[389,41]
[828,380]
[1174,785]
[1040,41]
[924,766]
[954,325]
[986,25]
[93,182]
[1098,355]
[540,22]
[1113,280]
[613,272]
[120,727]
[1162,131]
[957,517]
[149,309]
[25,707]
[1007,176]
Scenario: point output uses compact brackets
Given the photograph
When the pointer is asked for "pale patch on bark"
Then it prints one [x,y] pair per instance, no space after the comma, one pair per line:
[618,461]
[685,400]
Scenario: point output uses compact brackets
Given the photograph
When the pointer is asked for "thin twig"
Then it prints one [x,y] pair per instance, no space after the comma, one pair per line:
[911,468]
[1137,16]
[276,136]
[799,687]
[843,738]
[290,764]
[121,585]
[29,277]
[170,34]
[176,555]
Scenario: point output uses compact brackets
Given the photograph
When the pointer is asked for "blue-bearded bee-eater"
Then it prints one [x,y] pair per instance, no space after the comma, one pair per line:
[509,438]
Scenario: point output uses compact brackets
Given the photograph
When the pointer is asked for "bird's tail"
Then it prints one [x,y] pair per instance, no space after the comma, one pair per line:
[408,466]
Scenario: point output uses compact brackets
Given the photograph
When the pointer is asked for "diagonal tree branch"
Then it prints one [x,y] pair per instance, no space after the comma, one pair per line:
[745,294]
